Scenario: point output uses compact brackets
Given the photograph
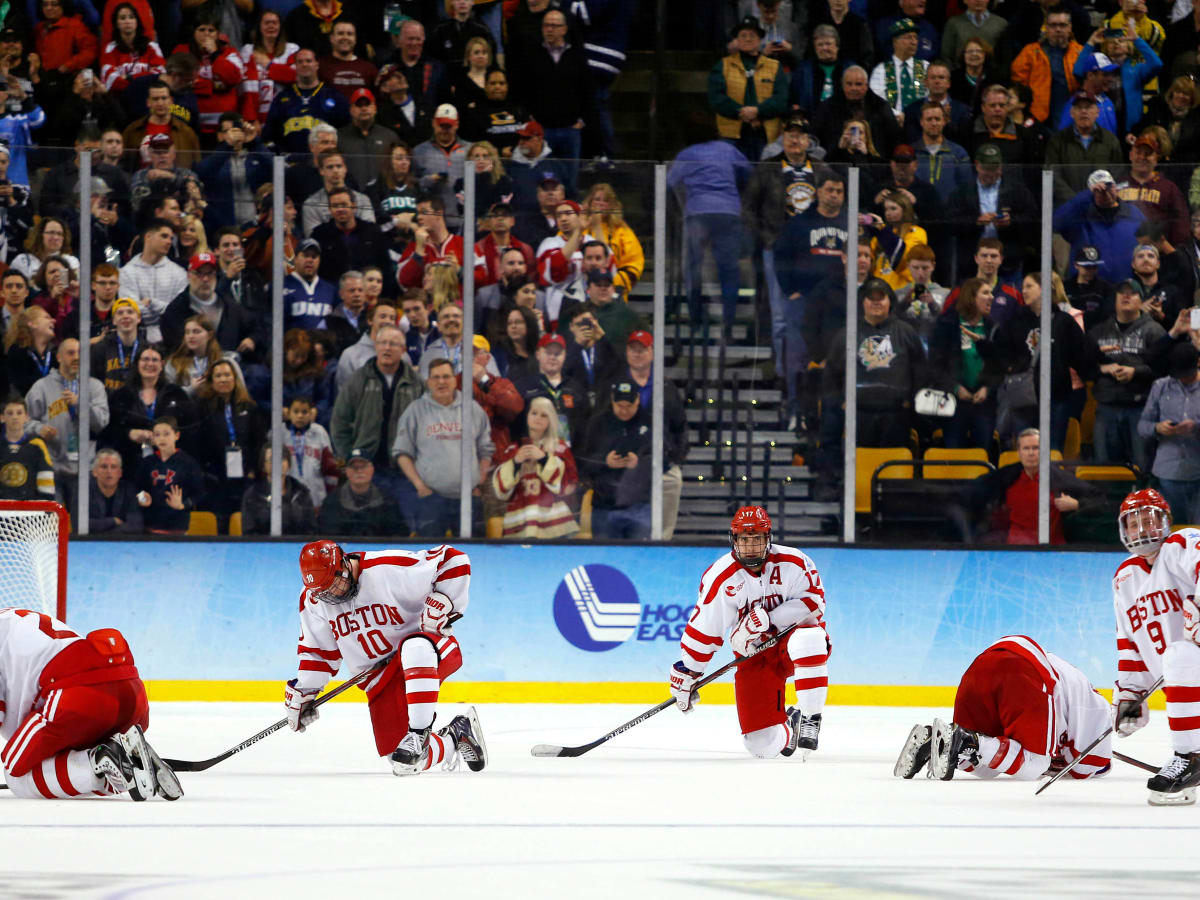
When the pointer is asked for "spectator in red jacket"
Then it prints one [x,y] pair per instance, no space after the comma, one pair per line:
[224,83]
[65,45]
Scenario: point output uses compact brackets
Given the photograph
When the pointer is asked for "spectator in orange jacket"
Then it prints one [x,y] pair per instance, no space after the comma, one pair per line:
[1047,67]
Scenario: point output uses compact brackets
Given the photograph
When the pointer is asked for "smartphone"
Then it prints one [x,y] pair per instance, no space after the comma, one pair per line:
[1114,32]
[1194,324]
[88,76]
[239,252]
[856,131]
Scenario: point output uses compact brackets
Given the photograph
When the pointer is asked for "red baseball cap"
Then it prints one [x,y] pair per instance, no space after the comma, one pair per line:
[571,203]
[361,94]
[531,129]
[551,338]
[645,338]
[200,260]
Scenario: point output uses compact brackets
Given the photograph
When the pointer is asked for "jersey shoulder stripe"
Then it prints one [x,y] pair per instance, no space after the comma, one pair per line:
[720,580]
[387,560]
[1138,562]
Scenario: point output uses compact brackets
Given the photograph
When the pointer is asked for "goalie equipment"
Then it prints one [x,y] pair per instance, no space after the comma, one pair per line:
[683,682]
[914,756]
[436,613]
[950,743]
[300,709]
[1144,522]
[409,757]
[750,631]
[326,572]
[1132,713]
[1175,783]
[747,523]
[466,734]
[151,776]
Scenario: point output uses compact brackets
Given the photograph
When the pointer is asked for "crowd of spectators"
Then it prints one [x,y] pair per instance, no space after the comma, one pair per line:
[951,110]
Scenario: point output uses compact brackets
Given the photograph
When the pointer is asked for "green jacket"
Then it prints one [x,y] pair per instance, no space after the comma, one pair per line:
[1072,163]
[358,412]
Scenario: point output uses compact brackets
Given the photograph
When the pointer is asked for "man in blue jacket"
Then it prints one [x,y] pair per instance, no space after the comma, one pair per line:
[1096,217]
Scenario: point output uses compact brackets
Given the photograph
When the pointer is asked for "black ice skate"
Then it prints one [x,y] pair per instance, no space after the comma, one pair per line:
[950,743]
[467,736]
[151,776]
[111,762]
[1175,783]
[793,718]
[810,730]
[915,755]
[409,757]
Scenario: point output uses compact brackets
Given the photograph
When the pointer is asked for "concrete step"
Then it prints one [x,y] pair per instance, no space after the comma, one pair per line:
[754,396]
[701,454]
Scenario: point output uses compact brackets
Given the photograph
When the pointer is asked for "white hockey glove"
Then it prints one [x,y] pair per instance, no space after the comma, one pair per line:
[1191,620]
[435,617]
[683,681]
[300,710]
[1132,711]
[750,631]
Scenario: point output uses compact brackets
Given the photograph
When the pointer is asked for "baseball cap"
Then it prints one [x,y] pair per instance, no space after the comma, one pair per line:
[645,338]
[500,209]
[571,203]
[550,338]
[903,153]
[548,177]
[1088,256]
[199,260]
[989,155]
[624,391]
[531,128]
[9,35]
[479,342]
[161,141]
[445,113]
[748,23]
[1099,177]
[1183,359]
[357,455]
[100,186]
[1146,248]
[309,244]
[600,276]
[875,286]
[1100,62]
[122,302]
[796,123]
[385,72]
[397,24]
[361,94]
[1083,97]
[1149,140]
[902,26]
[1130,286]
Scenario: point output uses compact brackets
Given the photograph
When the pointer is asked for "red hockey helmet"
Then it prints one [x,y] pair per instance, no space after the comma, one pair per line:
[1144,522]
[750,520]
[322,566]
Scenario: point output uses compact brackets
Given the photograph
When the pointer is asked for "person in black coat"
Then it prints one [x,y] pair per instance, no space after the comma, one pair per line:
[229,434]
[348,242]
[359,508]
[133,407]
[1015,219]
[856,101]
[170,482]
[113,506]
[299,515]
[616,458]
[202,298]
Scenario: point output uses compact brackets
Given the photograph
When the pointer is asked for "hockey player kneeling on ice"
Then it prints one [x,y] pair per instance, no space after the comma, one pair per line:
[1157,635]
[1019,711]
[752,593]
[390,610]
[72,713]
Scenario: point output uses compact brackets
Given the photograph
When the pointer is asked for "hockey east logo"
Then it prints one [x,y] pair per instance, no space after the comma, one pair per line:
[596,608]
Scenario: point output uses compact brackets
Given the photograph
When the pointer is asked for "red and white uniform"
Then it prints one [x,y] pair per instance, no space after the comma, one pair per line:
[562,277]
[224,83]
[410,270]
[1148,602]
[280,70]
[119,67]
[789,589]
[60,696]
[1031,709]
[369,630]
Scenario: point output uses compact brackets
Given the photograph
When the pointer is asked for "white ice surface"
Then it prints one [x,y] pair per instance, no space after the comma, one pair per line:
[673,808]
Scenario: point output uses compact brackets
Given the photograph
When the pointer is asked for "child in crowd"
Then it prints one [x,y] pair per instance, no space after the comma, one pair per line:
[170,482]
[312,451]
[26,472]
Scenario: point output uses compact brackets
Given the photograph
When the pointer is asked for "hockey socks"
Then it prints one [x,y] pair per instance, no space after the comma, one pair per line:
[809,652]
[421,682]
[68,774]
[1005,756]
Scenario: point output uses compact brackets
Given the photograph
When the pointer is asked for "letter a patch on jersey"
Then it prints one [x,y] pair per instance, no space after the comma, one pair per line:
[775,577]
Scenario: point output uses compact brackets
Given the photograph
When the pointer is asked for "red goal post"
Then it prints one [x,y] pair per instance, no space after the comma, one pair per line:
[33,556]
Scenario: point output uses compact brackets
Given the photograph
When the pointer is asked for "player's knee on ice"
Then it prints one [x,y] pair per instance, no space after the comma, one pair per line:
[766,743]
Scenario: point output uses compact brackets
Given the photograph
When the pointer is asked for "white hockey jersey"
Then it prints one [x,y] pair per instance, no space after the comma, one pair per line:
[1148,602]
[392,587]
[788,587]
[28,641]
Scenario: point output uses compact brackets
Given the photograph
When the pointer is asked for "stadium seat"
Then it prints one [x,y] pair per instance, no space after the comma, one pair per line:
[966,454]
[1071,444]
[235,525]
[867,460]
[1010,456]
[585,517]
[1105,473]
[202,524]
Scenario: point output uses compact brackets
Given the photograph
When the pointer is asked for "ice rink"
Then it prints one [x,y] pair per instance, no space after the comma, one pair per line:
[673,808]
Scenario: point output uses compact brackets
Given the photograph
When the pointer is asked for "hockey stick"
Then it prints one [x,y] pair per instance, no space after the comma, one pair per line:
[1136,763]
[183,765]
[550,750]
[1093,745]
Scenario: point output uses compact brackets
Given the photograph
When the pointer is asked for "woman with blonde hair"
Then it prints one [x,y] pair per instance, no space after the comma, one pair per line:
[470,80]
[492,185]
[607,224]
[192,237]
[30,345]
[441,284]
[899,218]
[534,475]
[856,146]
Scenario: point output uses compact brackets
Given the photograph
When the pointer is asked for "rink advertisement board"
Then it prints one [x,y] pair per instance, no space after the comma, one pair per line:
[599,623]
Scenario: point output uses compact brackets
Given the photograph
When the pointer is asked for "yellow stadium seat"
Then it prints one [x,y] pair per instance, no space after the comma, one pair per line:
[965,454]
[585,517]
[1010,456]
[867,460]
[202,524]
[1072,441]
[235,525]
[1105,473]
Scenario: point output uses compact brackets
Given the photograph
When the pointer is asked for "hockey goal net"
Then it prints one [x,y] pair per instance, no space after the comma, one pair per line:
[33,556]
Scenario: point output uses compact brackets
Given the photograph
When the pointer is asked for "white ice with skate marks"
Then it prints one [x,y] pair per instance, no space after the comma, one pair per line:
[672,808]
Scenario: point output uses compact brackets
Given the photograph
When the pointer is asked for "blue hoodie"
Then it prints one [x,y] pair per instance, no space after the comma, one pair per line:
[711,174]
[1112,232]
[1132,77]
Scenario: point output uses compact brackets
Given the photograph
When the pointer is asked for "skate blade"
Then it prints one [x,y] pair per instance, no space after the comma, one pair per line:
[477,730]
[802,754]
[1185,797]
[939,768]
[906,763]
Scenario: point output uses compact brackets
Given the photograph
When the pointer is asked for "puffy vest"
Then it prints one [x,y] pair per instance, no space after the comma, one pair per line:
[765,72]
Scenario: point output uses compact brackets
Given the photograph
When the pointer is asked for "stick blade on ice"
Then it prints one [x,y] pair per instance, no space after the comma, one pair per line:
[547,750]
